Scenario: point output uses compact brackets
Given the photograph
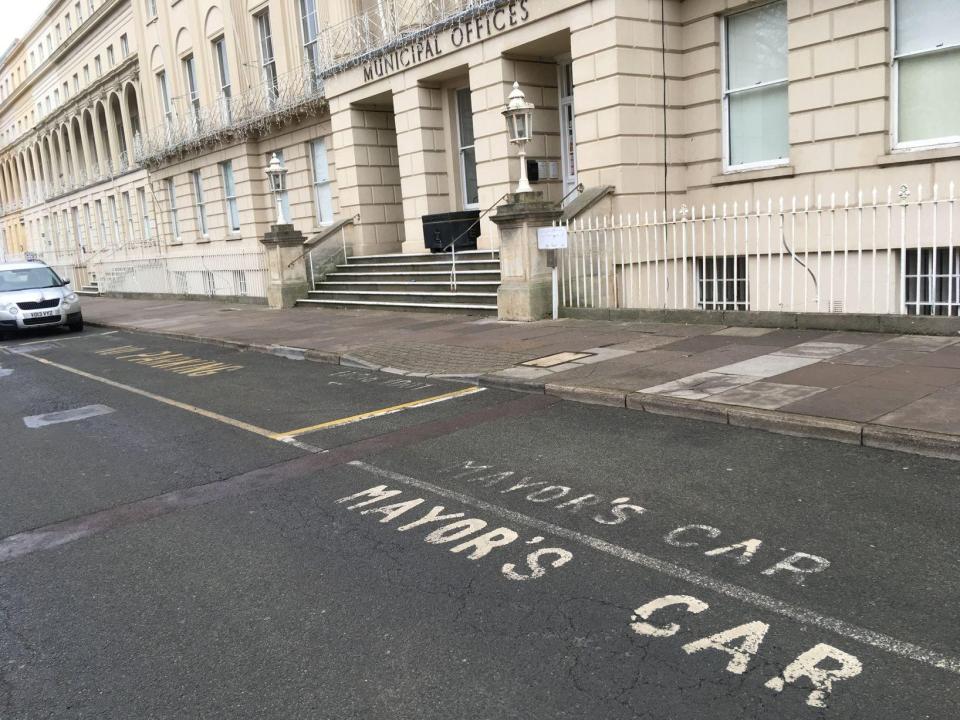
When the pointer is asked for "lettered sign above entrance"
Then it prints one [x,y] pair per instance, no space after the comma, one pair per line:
[466,32]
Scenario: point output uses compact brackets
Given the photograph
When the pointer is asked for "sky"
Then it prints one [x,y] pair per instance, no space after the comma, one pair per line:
[16,17]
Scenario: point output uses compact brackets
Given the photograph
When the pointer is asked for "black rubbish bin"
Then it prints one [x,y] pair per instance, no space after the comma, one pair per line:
[440,230]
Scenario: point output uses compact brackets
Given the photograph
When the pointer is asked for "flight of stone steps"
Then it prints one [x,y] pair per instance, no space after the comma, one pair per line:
[413,282]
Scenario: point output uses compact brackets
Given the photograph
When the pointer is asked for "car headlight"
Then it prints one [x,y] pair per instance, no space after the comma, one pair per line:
[72,298]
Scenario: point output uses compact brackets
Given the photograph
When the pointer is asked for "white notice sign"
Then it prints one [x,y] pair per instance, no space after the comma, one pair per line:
[552,238]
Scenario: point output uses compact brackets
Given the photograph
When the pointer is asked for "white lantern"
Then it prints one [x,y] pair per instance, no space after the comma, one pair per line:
[519,116]
[277,174]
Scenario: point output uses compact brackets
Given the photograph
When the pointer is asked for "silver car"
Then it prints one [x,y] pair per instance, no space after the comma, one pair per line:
[32,295]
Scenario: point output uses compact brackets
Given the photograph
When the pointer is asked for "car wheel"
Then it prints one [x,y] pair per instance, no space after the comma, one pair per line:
[76,325]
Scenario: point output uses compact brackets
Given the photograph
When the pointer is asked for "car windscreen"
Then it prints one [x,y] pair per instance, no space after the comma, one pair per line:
[28,279]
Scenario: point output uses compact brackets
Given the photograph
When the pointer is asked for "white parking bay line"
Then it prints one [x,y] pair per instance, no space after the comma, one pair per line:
[797,613]
[55,418]
[4,372]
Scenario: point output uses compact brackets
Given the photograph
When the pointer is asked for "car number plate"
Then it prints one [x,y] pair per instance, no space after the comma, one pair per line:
[42,313]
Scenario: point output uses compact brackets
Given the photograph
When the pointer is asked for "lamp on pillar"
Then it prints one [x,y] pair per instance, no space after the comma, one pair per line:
[277,173]
[286,267]
[519,116]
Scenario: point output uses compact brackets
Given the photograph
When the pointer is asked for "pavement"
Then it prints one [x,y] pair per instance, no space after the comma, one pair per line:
[891,391]
[198,531]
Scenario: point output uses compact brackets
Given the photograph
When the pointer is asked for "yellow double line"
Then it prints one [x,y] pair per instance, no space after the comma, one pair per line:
[263,432]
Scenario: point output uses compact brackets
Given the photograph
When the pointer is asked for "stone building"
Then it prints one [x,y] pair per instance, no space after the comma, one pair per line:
[143,127]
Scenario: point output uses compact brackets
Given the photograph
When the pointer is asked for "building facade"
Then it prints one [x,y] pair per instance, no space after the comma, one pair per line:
[142,128]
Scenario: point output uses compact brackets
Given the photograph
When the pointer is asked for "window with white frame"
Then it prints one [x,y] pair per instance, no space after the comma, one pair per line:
[927,72]
[322,195]
[722,283]
[223,76]
[151,9]
[268,62]
[163,87]
[285,195]
[115,219]
[88,221]
[78,229]
[172,204]
[310,30]
[102,223]
[230,197]
[931,281]
[145,228]
[467,151]
[193,88]
[756,114]
[131,217]
[199,204]
[124,45]
[111,57]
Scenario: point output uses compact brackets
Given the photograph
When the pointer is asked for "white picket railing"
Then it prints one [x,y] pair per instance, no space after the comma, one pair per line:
[895,252]
[228,275]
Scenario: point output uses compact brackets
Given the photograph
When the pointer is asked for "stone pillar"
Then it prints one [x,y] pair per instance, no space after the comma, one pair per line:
[422,160]
[127,128]
[22,172]
[89,159]
[74,155]
[112,137]
[41,166]
[525,287]
[368,175]
[286,266]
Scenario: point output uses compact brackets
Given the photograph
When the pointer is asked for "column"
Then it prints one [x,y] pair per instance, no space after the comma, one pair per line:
[74,156]
[98,141]
[364,142]
[43,171]
[422,159]
[64,161]
[89,158]
[22,172]
[127,128]
[112,137]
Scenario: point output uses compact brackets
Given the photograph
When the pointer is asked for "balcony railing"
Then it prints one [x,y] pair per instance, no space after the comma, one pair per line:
[249,111]
[391,23]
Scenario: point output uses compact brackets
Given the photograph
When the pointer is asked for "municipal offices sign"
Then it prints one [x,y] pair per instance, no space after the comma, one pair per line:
[466,32]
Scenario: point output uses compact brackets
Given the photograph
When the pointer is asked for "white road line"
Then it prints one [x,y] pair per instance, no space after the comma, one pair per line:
[796,613]
[66,337]
[55,418]
[5,372]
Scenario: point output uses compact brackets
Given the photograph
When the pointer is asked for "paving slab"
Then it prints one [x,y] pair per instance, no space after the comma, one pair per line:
[742,332]
[827,375]
[819,349]
[699,386]
[854,402]
[920,343]
[766,395]
[878,356]
[766,365]
[936,413]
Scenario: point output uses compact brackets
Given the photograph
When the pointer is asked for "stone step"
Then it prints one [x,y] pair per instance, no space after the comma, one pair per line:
[468,286]
[436,266]
[420,276]
[472,309]
[416,297]
[424,257]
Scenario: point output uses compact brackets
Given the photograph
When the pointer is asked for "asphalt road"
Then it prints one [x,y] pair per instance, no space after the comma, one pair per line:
[194,532]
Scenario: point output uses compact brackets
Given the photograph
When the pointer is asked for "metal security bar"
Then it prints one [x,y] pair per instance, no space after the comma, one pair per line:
[233,275]
[242,113]
[891,252]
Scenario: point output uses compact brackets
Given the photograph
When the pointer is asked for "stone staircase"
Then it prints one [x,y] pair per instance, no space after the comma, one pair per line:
[92,289]
[413,282]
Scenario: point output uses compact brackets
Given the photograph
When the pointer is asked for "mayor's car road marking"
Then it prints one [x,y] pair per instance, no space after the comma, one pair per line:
[794,612]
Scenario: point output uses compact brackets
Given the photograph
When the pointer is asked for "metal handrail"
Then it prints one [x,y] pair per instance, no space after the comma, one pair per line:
[452,245]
